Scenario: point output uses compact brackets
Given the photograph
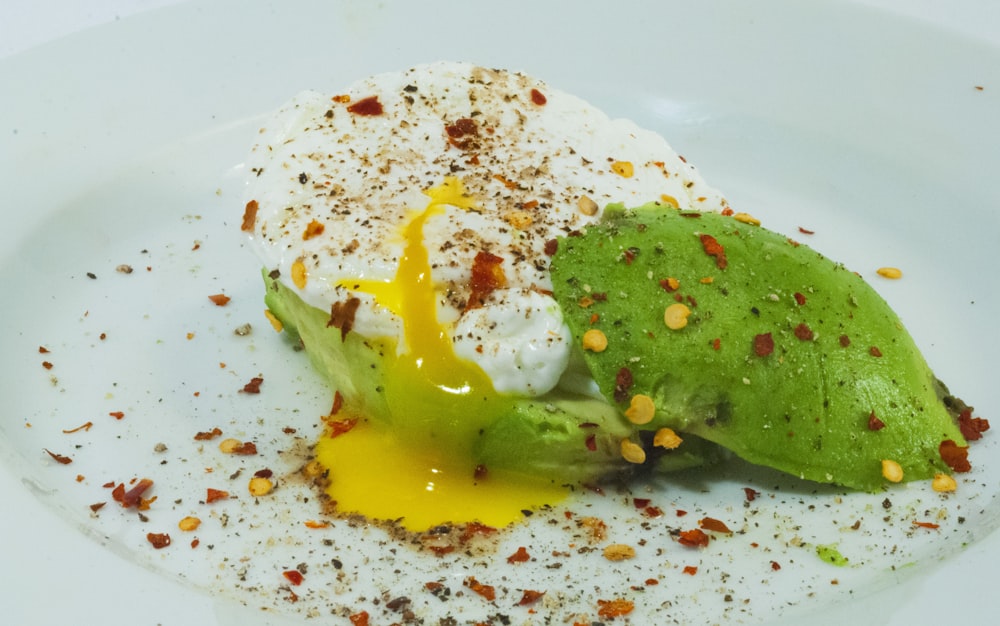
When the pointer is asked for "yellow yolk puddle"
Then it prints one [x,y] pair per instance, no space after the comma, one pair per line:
[420,469]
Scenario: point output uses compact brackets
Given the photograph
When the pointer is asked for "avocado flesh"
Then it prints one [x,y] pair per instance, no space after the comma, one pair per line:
[806,407]
[563,436]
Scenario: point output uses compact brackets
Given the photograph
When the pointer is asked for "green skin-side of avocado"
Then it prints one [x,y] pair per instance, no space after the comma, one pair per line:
[564,437]
[841,364]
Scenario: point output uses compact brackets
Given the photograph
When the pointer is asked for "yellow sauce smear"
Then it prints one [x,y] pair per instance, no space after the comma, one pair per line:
[420,469]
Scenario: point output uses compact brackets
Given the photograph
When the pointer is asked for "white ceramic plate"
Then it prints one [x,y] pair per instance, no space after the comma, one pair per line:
[123,145]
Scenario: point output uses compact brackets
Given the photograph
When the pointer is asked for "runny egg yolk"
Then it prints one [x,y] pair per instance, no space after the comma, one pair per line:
[420,469]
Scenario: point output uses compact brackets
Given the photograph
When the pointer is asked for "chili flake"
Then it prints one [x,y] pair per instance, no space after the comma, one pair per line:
[254,385]
[487,276]
[62,460]
[693,538]
[214,495]
[530,596]
[249,216]
[538,97]
[874,423]
[369,106]
[972,427]
[955,456]
[615,608]
[710,523]
[158,540]
[520,556]
[763,344]
[713,248]
[219,299]
[486,591]
[804,333]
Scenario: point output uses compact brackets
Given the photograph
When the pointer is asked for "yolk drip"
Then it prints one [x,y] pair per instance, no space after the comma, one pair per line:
[420,468]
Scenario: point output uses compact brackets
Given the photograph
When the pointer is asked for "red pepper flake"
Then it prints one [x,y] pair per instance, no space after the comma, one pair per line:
[214,495]
[254,385]
[339,427]
[473,529]
[441,550]
[313,229]
[750,493]
[58,458]
[930,525]
[366,106]
[487,276]
[693,538]
[520,556]
[955,456]
[43,350]
[716,344]
[640,503]
[97,506]
[972,427]
[804,333]
[874,423]
[247,448]
[209,435]
[844,341]
[680,512]
[714,248]
[338,403]
[652,512]
[591,443]
[132,497]
[763,344]
[219,299]
[806,232]
[615,608]
[315,525]
[714,525]
[551,247]
[874,351]
[342,315]
[529,597]
[249,217]
[195,543]
[158,540]
[117,414]
[359,619]
[293,576]
[88,425]
[629,255]
[670,284]
[538,97]
[623,383]
[775,566]
[486,591]
[47,365]
[690,570]
[799,298]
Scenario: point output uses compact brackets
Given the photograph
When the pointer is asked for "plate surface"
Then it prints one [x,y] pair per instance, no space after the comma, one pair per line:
[124,148]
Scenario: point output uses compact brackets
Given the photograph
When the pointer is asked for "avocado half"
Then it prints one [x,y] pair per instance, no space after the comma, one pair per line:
[770,350]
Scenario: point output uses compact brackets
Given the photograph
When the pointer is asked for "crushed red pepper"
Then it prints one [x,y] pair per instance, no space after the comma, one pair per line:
[369,106]
[529,597]
[690,570]
[208,435]
[219,299]
[520,556]
[214,495]
[955,456]
[359,619]
[85,426]
[750,493]
[763,344]
[132,497]
[58,458]
[804,333]
[874,423]
[694,538]
[714,525]
[486,591]
[339,427]
[714,249]
[254,385]
[487,276]
[293,576]
[338,403]
[972,427]
[342,315]
[158,540]
[249,216]
[623,383]
[615,608]
[538,97]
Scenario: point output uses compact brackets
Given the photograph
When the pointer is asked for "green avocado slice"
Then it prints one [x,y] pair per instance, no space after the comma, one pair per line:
[787,359]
